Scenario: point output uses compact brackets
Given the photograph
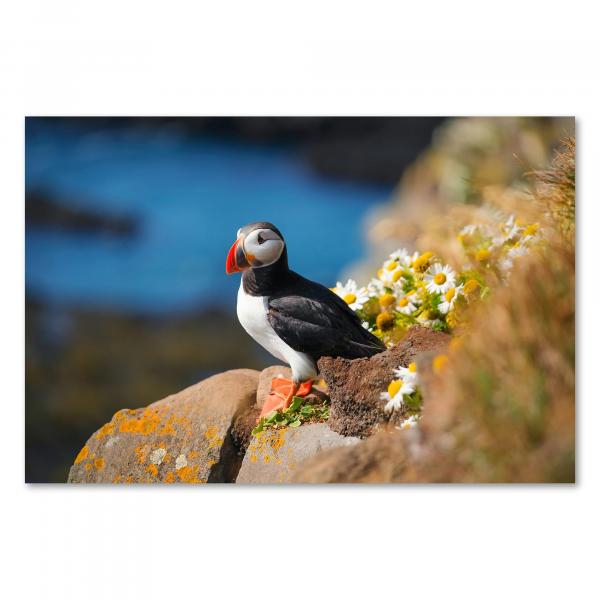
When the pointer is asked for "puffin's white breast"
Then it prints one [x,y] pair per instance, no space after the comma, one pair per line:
[252,314]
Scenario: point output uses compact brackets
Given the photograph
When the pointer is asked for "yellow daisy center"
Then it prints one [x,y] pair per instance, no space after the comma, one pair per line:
[440,278]
[394,387]
[350,298]
[422,263]
[391,266]
[482,255]
[410,293]
[396,275]
[531,229]
[471,286]
[384,321]
[387,300]
[403,303]
[412,367]
[450,294]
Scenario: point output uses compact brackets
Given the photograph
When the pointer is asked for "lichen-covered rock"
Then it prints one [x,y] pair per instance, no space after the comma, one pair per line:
[355,385]
[184,438]
[274,455]
[264,381]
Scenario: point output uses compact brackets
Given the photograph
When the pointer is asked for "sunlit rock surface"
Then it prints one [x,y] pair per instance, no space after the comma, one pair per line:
[274,455]
[184,438]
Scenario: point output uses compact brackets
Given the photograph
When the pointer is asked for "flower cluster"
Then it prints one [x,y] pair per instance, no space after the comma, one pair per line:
[419,289]
[410,289]
[495,247]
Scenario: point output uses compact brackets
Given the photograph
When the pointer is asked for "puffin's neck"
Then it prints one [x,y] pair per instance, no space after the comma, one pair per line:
[265,281]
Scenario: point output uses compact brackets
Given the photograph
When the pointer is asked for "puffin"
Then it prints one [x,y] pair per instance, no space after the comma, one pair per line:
[295,319]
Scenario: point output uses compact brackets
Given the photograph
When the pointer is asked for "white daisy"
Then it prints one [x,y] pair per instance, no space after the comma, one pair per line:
[409,423]
[449,298]
[510,228]
[508,231]
[408,374]
[517,250]
[423,319]
[406,305]
[440,279]
[375,287]
[352,295]
[403,257]
[391,272]
[366,325]
[396,392]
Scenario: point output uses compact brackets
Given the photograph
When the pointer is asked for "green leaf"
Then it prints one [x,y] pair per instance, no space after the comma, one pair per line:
[307,411]
[295,423]
[296,403]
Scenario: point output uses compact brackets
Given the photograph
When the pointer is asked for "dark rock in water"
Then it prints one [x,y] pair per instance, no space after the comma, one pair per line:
[184,438]
[355,385]
[42,211]
[274,455]
[373,149]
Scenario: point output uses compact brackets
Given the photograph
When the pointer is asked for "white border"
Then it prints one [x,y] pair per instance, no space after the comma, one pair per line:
[193,58]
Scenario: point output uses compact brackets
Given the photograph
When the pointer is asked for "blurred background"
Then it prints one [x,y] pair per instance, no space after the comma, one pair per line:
[128,222]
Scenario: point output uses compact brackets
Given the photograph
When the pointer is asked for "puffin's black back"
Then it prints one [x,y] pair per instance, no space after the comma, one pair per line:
[312,319]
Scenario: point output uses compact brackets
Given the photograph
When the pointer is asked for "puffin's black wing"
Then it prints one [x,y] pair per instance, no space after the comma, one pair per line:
[312,319]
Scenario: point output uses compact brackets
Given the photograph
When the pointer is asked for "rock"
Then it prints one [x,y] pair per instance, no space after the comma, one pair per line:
[264,381]
[274,455]
[184,438]
[355,385]
[383,458]
[243,424]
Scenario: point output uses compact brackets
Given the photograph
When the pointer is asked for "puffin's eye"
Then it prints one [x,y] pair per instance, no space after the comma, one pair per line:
[260,238]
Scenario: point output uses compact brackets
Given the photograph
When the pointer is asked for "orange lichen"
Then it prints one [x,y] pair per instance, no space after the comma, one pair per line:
[83,454]
[189,474]
[279,441]
[141,452]
[143,424]
[106,429]
[253,458]
[99,463]
[88,466]
[211,432]
[170,477]
[193,454]
[152,469]
[216,442]
[117,479]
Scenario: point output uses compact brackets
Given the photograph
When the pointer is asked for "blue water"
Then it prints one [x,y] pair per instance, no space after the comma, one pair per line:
[191,195]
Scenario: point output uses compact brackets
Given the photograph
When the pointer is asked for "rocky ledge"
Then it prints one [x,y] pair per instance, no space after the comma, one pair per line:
[203,433]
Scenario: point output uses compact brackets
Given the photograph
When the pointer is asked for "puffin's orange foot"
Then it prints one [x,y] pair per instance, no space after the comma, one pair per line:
[281,394]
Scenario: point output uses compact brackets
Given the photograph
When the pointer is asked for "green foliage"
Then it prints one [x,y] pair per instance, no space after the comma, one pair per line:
[301,410]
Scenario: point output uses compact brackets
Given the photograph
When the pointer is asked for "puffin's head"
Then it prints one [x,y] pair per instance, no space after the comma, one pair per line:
[258,245]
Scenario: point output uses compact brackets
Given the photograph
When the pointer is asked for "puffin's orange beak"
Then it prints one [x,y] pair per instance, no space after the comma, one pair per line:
[236,259]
